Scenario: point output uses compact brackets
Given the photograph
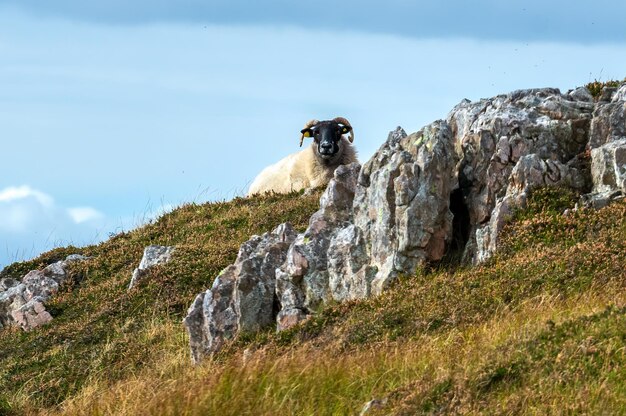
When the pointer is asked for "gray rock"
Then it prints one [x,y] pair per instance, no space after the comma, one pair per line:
[303,280]
[529,173]
[39,284]
[7,283]
[397,212]
[152,256]
[620,94]
[608,171]
[76,257]
[350,274]
[32,314]
[255,288]
[581,94]
[372,404]
[22,302]
[242,297]
[608,124]
[218,315]
[491,136]
[401,204]
[10,300]
[197,327]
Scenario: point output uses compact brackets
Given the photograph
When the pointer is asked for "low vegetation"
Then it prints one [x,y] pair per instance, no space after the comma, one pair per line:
[540,329]
[100,330]
[596,87]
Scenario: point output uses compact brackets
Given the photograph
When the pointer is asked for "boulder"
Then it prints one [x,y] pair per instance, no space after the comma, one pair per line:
[10,300]
[242,297]
[401,204]
[32,314]
[152,256]
[493,135]
[303,280]
[22,303]
[609,119]
[608,171]
[529,173]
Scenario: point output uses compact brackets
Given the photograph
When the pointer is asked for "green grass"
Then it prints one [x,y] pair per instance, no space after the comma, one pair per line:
[539,329]
[595,87]
[102,330]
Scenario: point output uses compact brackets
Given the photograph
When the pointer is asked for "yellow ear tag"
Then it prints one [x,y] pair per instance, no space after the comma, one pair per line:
[344,130]
[307,134]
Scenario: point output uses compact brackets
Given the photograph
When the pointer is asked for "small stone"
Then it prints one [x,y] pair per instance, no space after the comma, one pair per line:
[288,318]
[620,94]
[607,94]
[152,256]
[31,315]
[76,257]
[581,94]
[372,404]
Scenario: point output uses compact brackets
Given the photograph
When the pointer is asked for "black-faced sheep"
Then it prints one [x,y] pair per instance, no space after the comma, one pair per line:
[313,166]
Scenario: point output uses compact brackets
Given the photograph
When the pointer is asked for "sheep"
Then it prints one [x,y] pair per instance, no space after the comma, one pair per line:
[313,166]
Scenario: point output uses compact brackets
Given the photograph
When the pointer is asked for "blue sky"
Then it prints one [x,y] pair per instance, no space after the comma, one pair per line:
[111,112]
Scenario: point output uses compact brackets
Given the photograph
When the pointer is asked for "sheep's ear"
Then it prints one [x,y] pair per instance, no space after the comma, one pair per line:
[346,129]
[307,133]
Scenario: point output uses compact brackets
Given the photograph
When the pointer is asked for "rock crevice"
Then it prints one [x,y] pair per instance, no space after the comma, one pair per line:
[449,187]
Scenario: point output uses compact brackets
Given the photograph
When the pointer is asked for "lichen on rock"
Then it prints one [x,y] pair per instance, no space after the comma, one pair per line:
[398,211]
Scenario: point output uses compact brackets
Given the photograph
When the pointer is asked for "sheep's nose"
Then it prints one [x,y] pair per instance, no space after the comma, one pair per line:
[327,146]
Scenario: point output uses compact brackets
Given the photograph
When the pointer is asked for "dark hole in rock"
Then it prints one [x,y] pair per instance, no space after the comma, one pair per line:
[276,307]
[460,224]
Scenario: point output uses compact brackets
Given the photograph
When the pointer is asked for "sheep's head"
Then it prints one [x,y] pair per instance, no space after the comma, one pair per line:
[327,135]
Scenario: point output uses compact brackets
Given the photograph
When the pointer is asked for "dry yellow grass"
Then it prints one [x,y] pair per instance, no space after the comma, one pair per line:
[538,330]
[308,380]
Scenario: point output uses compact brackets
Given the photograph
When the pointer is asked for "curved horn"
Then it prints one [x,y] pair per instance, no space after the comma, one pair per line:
[308,124]
[345,122]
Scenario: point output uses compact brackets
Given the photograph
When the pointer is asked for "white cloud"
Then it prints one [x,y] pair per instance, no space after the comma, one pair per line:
[32,222]
[84,214]
[15,193]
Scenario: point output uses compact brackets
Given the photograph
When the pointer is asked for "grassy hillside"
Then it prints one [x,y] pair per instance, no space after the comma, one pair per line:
[539,329]
[102,333]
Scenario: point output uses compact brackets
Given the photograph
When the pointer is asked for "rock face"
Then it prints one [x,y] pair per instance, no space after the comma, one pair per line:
[307,278]
[450,186]
[243,296]
[402,202]
[152,256]
[608,170]
[22,303]
[494,137]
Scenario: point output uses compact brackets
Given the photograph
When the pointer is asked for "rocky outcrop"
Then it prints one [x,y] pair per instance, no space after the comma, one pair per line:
[609,117]
[243,296]
[530,172]
[152,256]
[402,202]
[307,279]
[450,186]
[608,171]
[22,303]
[494,137]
